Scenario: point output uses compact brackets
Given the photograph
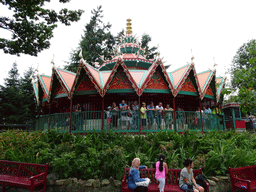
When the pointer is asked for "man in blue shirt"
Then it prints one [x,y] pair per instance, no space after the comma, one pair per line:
[122,105]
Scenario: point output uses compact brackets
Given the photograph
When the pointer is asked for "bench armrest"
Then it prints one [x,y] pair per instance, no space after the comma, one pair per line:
[124,179]
[37,176]
[248,182]
[243,180]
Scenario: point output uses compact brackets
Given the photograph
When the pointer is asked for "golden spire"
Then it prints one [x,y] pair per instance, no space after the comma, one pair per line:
[129,27]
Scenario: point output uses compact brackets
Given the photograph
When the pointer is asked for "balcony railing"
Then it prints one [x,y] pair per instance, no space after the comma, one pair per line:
[129,121]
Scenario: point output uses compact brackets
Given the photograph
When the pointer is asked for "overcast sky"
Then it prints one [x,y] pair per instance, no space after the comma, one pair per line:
[210,28]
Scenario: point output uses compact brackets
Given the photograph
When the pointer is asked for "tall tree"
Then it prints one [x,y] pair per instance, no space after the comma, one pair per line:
[149,51]
[243,73]
[32,25]
[96,43]
[28,95]
[12,108]
[243,61]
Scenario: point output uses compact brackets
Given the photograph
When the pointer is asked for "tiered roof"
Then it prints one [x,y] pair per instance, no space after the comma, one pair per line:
[129,71]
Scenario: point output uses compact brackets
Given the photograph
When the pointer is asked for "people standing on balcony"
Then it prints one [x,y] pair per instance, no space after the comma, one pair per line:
[150,114]
[135,116]
[209,109]
[159,110]
[78,115]
[168,116]
[143,115]
[205,110]
[128,115]
[109,116]
[114,109]
[180,117]
[123,118]
[205,116]
[122,105]
[198,118]
[215,110]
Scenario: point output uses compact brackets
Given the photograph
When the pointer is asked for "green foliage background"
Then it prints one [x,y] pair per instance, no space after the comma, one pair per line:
[101,155]
[243,72]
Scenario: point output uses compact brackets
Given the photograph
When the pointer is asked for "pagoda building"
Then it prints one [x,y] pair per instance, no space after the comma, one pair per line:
[128,76]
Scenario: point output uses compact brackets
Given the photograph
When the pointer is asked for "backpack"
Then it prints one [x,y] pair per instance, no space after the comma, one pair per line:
[201,181]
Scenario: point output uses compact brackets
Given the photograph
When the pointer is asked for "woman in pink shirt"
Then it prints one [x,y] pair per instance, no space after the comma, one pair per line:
[161,171]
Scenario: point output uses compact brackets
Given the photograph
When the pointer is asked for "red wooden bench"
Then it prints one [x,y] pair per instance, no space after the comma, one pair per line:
[24,175]
[171,183]
[243,178]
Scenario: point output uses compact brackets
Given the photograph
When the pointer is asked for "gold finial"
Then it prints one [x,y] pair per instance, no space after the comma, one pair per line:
[214,63]
[129,27]
[192,57]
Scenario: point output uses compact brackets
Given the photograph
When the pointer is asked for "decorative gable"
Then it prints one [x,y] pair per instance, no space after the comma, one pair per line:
[188,86]
[85,84]
[157,82]
[59,90]
[209,91]
[120,81]
[44,96]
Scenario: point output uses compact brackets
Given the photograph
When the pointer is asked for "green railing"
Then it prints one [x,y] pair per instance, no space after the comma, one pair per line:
[128,121]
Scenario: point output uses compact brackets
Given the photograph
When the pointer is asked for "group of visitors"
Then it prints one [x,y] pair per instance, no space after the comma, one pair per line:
[186,180]
[250,122]
[123,110]
[148,113]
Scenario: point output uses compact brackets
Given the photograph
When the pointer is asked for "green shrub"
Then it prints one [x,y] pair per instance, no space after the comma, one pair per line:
[101,155]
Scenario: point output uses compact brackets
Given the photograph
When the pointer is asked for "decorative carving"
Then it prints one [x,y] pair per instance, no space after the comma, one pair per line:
[188,86]
[44,96]
[157,82]
[121,81]
[86,84]
[209,91]
[59,90]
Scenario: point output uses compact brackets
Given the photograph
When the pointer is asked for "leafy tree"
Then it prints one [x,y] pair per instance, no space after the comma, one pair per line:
[12,109]
[96,42]
[32,25]
[149,51]
[28,95]
[243,75]
[243,60]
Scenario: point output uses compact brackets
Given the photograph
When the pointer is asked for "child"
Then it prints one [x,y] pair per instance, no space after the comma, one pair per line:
[161,171]
[109,115]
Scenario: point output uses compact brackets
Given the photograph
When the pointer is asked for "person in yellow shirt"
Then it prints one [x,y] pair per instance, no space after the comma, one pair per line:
[143,115]
[215,110]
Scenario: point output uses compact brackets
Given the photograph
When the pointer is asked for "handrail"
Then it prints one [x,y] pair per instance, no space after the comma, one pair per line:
[128,121]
